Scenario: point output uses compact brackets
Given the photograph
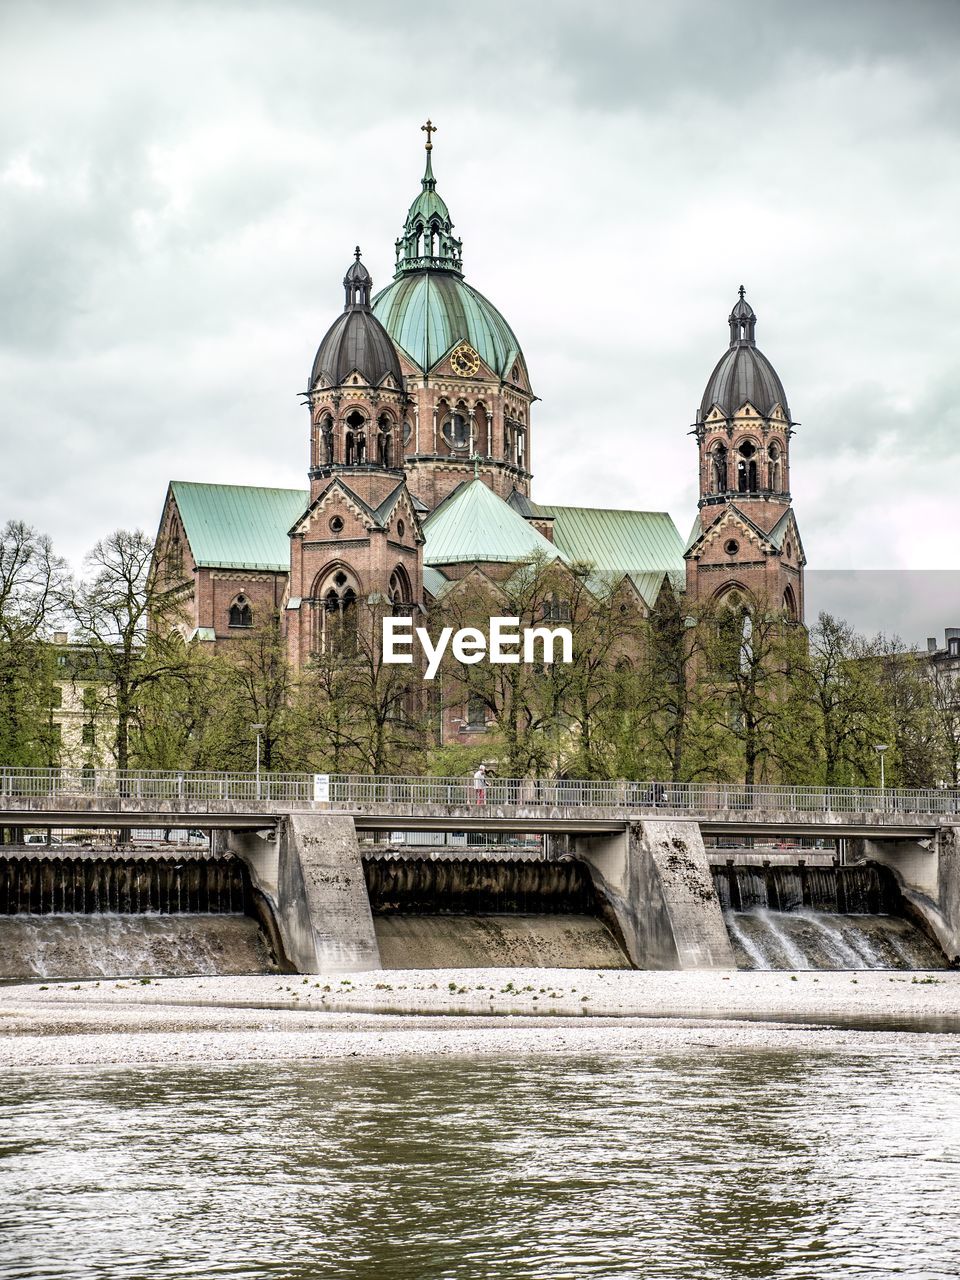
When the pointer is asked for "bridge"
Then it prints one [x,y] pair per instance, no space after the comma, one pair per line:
[642,842]
[250,801]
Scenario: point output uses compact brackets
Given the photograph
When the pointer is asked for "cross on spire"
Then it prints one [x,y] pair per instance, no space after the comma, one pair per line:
[742,291]
[429,128]
[356,253]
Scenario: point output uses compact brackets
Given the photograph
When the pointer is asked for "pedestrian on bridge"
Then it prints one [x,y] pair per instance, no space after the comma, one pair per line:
[480,784]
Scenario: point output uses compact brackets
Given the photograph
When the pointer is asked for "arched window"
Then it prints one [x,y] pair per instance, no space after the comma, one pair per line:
[747,468]
[337,620]
[325,441]
[456,428]
[556,609]
[790,604]
[718,468]
[401,595]
[385,440]
[733,635]
[355,452]
[241,613]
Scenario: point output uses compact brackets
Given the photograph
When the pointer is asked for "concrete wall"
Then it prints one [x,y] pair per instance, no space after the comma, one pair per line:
[656,879]
[312,878]
[929,874]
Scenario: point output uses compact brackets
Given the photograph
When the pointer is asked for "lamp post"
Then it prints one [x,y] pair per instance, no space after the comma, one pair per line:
[880,748]
[259,728]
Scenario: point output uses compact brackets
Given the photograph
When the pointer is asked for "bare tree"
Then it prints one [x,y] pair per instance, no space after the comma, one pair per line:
[124,620]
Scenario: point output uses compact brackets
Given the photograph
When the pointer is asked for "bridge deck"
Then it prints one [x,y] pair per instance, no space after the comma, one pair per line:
[108,798]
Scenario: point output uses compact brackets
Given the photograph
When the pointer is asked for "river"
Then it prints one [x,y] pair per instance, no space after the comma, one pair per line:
[701,1163]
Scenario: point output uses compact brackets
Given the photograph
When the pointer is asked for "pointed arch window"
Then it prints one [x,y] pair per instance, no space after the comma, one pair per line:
[400,592]
[776,468]
[241,612]
[337,619]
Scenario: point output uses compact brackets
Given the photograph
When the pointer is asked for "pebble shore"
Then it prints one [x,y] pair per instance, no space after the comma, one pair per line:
[235,1020]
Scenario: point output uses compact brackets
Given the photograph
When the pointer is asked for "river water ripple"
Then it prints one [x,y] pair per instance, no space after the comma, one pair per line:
[700,1164]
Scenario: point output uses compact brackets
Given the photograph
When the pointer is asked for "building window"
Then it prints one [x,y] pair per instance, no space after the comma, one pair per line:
[731,546]
[456,430]
[241,613]
[56,697]
[747,468]
[355,441]
[401,595]
[336,524]
[718,469]
[337,629]
[88,734]
[555,609]
[475,718]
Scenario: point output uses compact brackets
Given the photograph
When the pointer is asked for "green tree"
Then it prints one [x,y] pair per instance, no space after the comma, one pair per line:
[125,621]
[32,585]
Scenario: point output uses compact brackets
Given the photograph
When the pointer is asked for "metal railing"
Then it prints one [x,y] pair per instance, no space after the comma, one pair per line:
[361,792]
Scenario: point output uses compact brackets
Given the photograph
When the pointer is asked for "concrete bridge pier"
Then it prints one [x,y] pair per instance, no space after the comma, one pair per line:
[656,879]
[311,879]
[929,873]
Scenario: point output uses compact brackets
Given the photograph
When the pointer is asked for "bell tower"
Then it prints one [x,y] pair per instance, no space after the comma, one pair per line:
[355,551]
[746,537]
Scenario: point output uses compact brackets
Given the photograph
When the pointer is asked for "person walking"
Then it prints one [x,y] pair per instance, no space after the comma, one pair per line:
[480,784]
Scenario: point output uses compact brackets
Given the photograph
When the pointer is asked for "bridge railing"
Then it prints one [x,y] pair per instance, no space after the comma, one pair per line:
[357,791]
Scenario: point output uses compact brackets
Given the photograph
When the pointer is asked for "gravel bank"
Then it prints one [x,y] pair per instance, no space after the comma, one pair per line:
[243,1019]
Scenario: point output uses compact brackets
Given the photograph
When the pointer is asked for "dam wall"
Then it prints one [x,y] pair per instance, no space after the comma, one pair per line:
[928,873]
[656,878]
[310,876]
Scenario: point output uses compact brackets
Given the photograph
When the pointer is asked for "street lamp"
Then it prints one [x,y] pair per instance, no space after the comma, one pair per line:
[258,728]
[880,748]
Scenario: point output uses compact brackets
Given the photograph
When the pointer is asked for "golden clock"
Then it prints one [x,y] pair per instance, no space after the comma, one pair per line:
[465,360]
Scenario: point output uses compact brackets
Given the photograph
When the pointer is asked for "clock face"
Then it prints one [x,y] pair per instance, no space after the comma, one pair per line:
[465,360]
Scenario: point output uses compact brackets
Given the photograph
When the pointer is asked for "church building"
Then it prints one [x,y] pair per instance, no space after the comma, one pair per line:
[420,452]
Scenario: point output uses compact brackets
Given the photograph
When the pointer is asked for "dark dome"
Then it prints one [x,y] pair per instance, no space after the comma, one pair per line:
[357,339]
[743,372]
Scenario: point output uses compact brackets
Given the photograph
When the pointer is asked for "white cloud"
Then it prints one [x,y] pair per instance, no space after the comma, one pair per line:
[184,185]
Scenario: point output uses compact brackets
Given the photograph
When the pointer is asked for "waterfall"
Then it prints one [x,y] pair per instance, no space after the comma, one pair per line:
[475,913]
[800,917]
[98,915]
[121,946]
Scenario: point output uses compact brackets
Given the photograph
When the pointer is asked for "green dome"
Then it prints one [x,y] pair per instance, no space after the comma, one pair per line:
[429,312]
[429,308]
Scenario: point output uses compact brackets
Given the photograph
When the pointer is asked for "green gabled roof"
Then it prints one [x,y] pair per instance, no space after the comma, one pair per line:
[232,526]
[473,525]
[633,542]
[434,581]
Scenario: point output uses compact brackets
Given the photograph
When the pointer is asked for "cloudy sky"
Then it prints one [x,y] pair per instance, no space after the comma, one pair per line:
[182,185]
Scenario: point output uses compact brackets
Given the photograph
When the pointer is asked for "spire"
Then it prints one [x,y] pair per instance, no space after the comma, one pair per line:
[357,284]
[428,243]
[743,322]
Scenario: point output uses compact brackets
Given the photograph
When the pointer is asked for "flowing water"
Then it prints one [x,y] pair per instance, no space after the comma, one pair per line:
[485,941]
[764,939]
[119,946]
[702,1162]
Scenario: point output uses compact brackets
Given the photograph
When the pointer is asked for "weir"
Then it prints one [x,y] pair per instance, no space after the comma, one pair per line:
[89,915]
[818,917]
[476,913]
